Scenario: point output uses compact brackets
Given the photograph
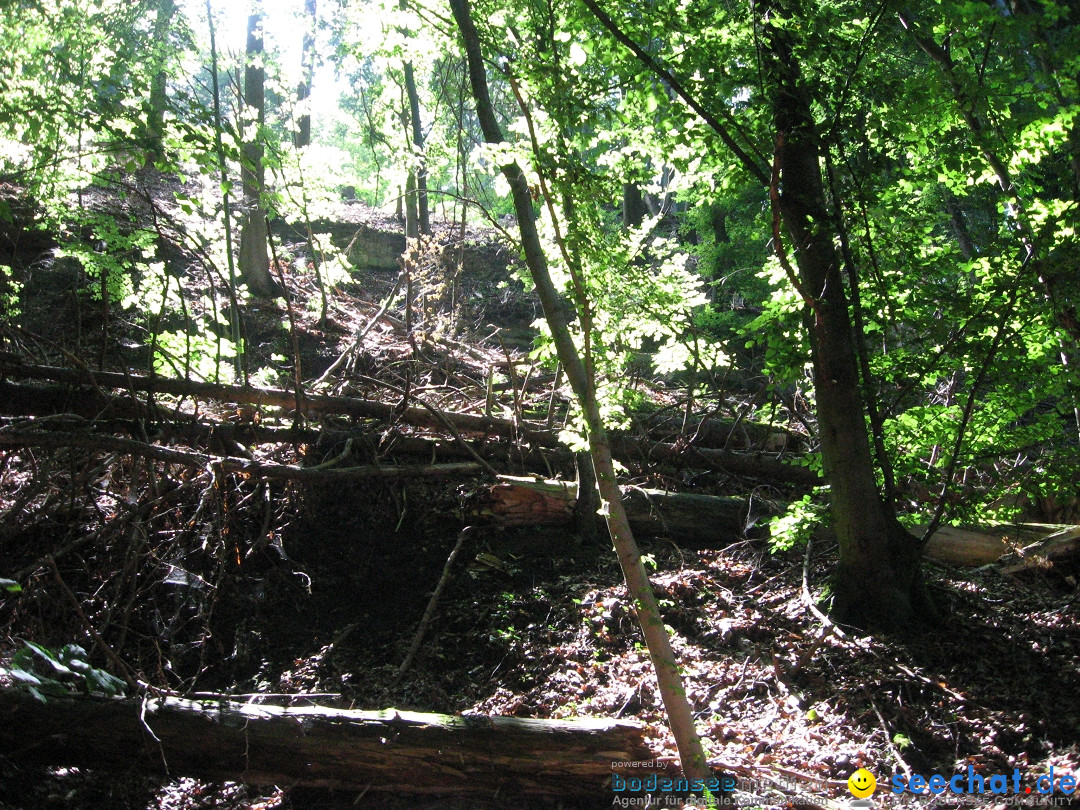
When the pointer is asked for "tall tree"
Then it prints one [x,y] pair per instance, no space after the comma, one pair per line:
[418,218]
[158,101]
[579,374]
[254,258]
[878,581]
[417,182]
[302,137]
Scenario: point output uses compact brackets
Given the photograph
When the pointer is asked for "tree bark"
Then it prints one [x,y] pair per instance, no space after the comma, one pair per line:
[722,433]
[418,174]
[878,582]
[391,751]
[633,206]
[752,465]
[669,681]
[254,258]
[302,137]
[158,101]
[1062,546]
[982,546]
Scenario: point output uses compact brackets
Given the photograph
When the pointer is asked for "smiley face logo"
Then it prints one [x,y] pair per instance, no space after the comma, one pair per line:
[861,783]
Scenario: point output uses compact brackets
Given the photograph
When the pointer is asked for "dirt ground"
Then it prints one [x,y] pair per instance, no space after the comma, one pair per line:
[789,710]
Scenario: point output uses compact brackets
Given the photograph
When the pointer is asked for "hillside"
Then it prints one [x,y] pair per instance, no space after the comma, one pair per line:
[201,538]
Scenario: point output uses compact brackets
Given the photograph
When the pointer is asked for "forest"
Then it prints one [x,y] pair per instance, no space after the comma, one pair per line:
[539,404]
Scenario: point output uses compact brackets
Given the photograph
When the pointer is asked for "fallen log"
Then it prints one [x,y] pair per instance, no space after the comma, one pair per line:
[367,248]
[692,519]
[395,751]
[704,519]
[968,547]
[624,448]
[1019,547]
[748,464]
[86,402]
[1053,549]
[280,398]
[724,434]
[256,469]
[222,437]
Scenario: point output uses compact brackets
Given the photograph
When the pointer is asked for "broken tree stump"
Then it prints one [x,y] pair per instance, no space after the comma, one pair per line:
[403,752]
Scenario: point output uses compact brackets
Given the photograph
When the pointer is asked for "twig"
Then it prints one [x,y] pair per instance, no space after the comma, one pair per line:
[888,735]
[113,525]
[554,390]
[830,627]
[808,599]
[340,457]
[429,612]
[518,411]
[150,731]
[358,342]
[446,423]
[969,409]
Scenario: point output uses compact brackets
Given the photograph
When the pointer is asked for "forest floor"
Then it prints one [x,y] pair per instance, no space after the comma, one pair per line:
[536,623]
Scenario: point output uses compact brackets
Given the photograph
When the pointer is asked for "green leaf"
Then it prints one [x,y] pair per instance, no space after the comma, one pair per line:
[101,681]
[49,657]
[25,677]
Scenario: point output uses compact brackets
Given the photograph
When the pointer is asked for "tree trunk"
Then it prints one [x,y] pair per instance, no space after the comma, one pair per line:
[280,398]
[669,681]
[155,114]
[412,214]
[749,464]
[633,206]
[419,173]
[302,137]
[392,751]
[721,433]
[878,582]
[254,258]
